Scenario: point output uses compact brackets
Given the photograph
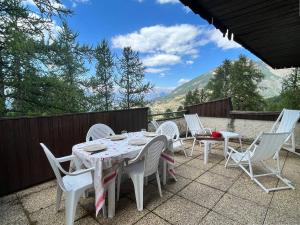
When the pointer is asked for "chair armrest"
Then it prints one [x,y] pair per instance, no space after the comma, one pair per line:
[78,172]
[65,158]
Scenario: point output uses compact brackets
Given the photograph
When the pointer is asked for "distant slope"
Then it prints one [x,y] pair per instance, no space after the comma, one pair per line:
[270,86]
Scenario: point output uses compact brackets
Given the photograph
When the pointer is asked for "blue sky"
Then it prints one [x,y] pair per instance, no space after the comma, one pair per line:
[175,44]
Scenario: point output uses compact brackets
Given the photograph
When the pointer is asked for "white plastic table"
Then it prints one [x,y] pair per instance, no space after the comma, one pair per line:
[226,135]
[115,153]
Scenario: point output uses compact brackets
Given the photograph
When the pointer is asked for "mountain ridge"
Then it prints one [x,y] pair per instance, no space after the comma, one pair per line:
[269,87]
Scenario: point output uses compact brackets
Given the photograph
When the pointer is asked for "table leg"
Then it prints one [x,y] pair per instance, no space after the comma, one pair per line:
[164,172]
[111,199]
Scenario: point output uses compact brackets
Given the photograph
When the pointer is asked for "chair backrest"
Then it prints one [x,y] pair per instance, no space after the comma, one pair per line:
[194,124]
[155,124]
[288,121]
[270,143]
[169,129]
[98,131]
[151,154]
[54,164]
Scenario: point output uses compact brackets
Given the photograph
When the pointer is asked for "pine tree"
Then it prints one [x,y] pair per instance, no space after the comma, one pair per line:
[168,114]
[219,83]
[102,82]
[238,80]
[69,64]
[22,52]
[195,97]
[131,80]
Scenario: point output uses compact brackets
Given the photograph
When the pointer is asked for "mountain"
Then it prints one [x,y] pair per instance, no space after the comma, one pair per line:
[269,87]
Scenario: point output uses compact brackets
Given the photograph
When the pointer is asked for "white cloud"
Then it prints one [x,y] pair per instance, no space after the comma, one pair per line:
[156,70]
[177,39]
[182,81]
[161,59]
[167,1]
[189,62]
[167,45]
[216,36]
[75,2]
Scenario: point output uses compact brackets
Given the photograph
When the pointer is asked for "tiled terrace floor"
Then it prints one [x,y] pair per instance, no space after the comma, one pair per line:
[203,194]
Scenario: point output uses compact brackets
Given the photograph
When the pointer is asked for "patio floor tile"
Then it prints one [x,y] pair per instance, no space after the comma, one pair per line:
[7,198]
[49,216]
[201,194]
[228,172]
[181,211]
[239,209]
[126,214]
[173,186]
[215,180]
[11,213]
[244,187]
[39,200]
[275,216]
[152,219]
[198,163]
[213,218]
[189,172]
[36,188]
[151,196]
[287,202]
[86,221]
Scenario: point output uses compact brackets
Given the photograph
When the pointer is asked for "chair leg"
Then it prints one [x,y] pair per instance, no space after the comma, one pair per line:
[138,183]
[158,183]
[119,179]
[58,197]
[191,154]
[71,204]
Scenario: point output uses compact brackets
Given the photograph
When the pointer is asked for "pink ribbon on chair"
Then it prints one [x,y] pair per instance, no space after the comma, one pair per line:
[170,163]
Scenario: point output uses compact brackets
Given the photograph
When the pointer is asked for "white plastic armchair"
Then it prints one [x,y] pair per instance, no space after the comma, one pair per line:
[98,131]
[72,184]
[171,131]
[264,147]
[286,122]
[144,165]
[155,124]
[195,127]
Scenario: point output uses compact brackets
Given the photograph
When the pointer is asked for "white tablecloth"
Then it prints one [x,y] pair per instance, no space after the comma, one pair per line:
[106,162]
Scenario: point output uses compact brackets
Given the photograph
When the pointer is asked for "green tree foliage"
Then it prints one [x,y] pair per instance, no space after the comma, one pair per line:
[195,97]
[239,80]
[219,85]
[290,94]
[102,83]
[131,80]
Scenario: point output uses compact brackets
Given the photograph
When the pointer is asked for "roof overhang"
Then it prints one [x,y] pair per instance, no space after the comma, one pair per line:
[270,29]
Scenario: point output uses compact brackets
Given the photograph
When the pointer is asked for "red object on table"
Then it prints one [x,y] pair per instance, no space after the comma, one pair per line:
[216,134]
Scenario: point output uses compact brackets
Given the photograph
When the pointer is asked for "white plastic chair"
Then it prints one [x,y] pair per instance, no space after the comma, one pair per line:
[286,122]
[72,184]
[144,165]
[155,124]
[195,127]
[98,131]
[264,147]
[171,130]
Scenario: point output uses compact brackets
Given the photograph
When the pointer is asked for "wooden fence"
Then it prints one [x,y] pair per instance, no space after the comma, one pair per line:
[218,108]
[23,163]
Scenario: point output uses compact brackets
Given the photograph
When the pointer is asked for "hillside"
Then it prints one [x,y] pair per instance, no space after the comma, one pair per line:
[269,87]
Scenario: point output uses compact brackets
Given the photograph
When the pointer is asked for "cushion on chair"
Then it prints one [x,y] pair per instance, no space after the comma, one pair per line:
[78,181]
